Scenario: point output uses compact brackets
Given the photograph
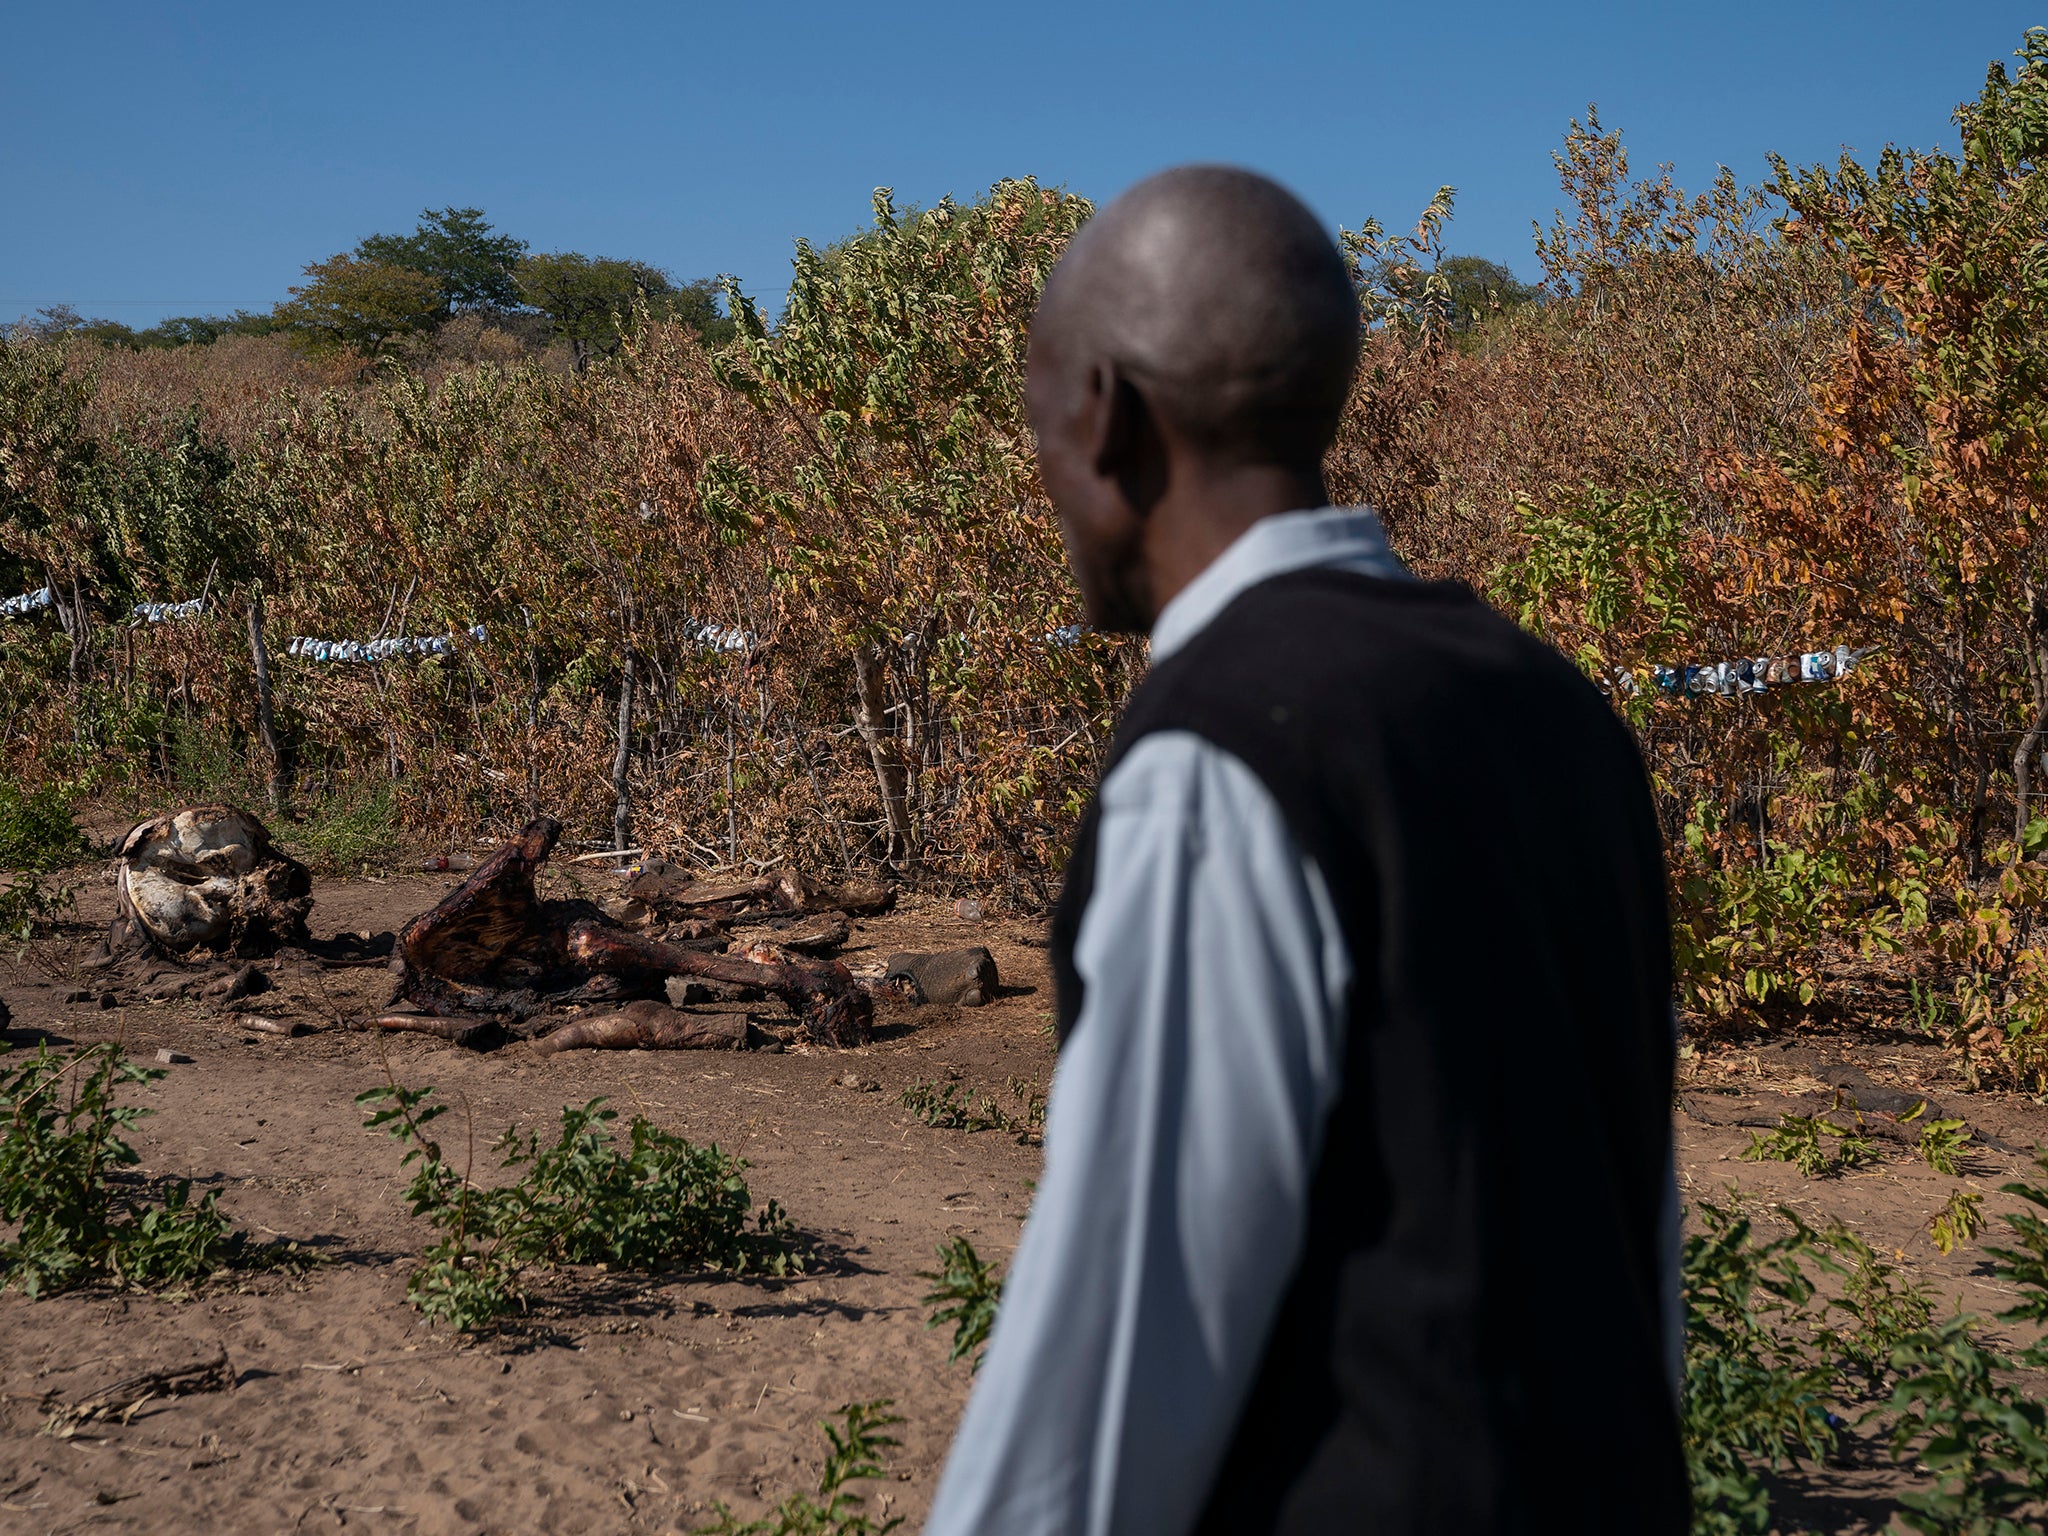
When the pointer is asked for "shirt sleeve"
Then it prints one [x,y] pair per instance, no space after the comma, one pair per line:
[1186,1119]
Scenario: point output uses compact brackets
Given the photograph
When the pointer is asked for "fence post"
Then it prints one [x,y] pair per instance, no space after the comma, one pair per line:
[266,722]
[622,803]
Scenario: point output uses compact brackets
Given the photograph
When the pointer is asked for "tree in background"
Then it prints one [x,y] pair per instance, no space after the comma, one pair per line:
[61,320]
[897,376]
[57,321]
[364,307]
[453,263]
[203,330]
[1479,288]
[471,268]
[591,301]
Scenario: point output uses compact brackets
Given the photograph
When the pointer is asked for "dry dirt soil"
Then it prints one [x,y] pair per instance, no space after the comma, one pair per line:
[630,1403]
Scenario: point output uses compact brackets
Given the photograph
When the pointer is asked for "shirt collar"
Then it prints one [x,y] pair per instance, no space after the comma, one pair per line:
[1348,538]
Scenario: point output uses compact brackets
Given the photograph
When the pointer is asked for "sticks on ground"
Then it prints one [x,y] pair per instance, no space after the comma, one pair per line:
[126,1398]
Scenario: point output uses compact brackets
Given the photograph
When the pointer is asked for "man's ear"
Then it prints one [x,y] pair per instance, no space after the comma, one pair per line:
[1115,414]
[1126,445]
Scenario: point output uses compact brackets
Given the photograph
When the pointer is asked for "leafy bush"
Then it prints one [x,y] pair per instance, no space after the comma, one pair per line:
[856,1457]
[1755,1391]
[1802,1141]
[37,837]
[1961,1410]
[965,1293]
[350,831]
[1765,1357]
[943,1107]
[661,1203]
[1958,1220]
[1745,935]
[61,1143]
[940,1106]
[1945,1146]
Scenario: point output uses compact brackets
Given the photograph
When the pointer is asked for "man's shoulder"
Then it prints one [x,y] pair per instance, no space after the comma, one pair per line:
[1344,692]
[1348,645]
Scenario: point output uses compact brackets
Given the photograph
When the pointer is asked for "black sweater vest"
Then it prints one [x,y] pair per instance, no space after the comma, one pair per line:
[1472,1342]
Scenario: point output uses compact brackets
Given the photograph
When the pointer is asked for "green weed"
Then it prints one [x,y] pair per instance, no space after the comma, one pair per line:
[1962,1410]
[1029,1122]
[940,1106]
[1802,1140]
[943,1107]
[1945,1146]
[856,1457]
[1755,1389]
[1959,1219]
[965,1293]
[62,1143]
[350,832]
[37,838]
[1933,1014]
[1881,1312]
[659,1203]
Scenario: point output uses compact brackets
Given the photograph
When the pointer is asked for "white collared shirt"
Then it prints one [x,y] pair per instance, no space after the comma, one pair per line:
[1186,1120]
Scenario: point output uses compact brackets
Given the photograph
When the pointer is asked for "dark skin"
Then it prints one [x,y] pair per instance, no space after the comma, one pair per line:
[1142,509]
[1190,351]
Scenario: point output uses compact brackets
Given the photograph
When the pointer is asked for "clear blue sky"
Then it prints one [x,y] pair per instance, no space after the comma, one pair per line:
[177,158]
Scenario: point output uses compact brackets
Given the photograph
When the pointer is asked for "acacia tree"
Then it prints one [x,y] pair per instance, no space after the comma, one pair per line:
[595,303]
[472,268]
[348,304]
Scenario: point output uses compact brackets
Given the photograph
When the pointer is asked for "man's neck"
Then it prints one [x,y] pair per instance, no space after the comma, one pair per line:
[1204,513]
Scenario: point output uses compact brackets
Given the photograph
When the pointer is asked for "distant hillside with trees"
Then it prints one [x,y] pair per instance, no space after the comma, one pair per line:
[392,298]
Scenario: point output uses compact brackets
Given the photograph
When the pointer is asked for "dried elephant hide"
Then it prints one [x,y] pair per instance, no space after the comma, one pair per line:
[823,993]
[649,1026]
[672,892]
[965,978]
[208,880]
[493,946]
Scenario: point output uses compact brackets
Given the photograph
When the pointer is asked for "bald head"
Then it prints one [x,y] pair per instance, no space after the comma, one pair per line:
[1217,294]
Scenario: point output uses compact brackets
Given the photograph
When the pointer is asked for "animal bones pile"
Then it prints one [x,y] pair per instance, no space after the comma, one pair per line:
[29,602]
[308,649]
[1749,674]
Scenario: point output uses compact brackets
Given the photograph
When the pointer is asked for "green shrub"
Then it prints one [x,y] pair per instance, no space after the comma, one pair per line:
[856,1457]
[939,1106]
[350,831]
[661,1203]
[1945,1146]
[965,1293]
[59,1143]
[1963,1410]
[37,837]
[1959,1219]
[943,1107]
[1745,935]
[1803,1141]
[1765,1358]
[1755,1389]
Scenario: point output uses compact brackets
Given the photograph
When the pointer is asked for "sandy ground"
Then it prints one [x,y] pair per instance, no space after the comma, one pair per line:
[631,1404]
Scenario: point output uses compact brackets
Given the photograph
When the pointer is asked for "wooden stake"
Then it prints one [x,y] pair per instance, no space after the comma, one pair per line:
[266,721]
[622,801]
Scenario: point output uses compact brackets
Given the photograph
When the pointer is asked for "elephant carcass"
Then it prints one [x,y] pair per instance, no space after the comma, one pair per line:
[208,878]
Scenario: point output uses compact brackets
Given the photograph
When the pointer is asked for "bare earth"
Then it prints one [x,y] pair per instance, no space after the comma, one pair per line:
[629,1404]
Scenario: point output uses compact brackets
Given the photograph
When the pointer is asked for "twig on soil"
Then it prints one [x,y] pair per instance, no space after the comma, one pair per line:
[125,1398]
